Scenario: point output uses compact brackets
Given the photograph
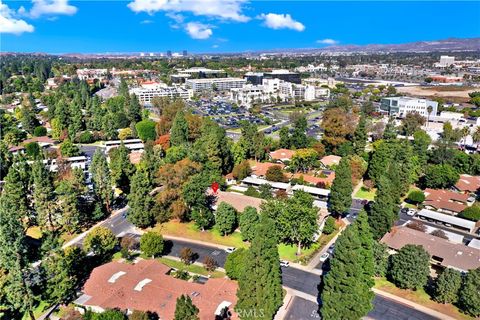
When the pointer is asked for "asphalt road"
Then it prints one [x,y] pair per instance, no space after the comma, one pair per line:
[384,309]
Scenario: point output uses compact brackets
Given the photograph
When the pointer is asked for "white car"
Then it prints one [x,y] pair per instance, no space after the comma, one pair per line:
[230,249]
[411,212]
[284,263]
[324,257]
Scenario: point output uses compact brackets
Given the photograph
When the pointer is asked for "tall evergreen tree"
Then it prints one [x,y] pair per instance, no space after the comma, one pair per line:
[76,118]
[380,217]
[121,168]
[248,223]
[347,287]
[469,299]
[140,201]
[133,110]
[44,196]
[260,287]
[102,183]
[179,131]
[360,136]
[341,190]
[410,267]
[447,286]
[185,309]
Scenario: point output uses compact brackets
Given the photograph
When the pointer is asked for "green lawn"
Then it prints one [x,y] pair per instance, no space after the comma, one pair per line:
[42,307]
[289,252]
[190,268]
[363,193]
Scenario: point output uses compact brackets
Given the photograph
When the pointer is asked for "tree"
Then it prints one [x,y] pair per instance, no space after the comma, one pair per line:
[133,109]
[33,150]
[447,286]
[140,201]
[275,174]
[179,131]
[242,170]
[152,244]
[347,286]
[109,315]
[121,168]
[380,257]
[185,309]
[248,223]
[226,218]
[69,149]
[146,130]
[299,139]
[412,122]
[410,267]
[101,241]
[360,136]
[416,197]
[102,185]
[390,131]
[209,263]
[381,216]
[304,159]
[235,263]
[440,176]
[186,255]
[471,213]
[341,191]
[338,126]
[44,196]
[260,287]
[469,298]
[330,225]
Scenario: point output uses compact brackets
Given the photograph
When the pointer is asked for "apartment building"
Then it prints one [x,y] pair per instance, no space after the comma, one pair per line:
[148,91]
[400,106]
[221,84]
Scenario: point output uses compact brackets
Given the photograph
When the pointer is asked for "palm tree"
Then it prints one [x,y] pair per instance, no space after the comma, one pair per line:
[464,132]
[476,135]
[429,110]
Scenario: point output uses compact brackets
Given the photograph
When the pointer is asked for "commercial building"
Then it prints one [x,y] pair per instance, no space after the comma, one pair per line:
[445,61]
[148,91]
[148,286]
[198,85]
[284,75]
[443,253]
[254,78]
[400,106]
[203,73]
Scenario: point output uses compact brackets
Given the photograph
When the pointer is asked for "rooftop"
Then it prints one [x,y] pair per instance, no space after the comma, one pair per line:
[446,199]
[331,160]
[452,255]
[282,154]
[237,200]
[146,286]
[468,183]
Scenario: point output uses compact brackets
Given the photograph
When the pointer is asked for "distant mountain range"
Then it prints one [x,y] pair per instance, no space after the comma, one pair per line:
[451,44]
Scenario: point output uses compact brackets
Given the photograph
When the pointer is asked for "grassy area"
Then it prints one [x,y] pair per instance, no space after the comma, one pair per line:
[39,310]
[189,230]
[420,297]
[364,193]
[193,268]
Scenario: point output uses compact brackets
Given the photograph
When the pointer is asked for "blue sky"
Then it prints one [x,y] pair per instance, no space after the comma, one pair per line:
[62,26]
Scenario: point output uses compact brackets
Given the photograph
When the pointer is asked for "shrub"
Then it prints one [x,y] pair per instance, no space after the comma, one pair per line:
[416,196]
[186,255]
[275,174]
[470,213]
[85,137]
[40,131]
[439,233]
[252,192]
[330,226]
[210,263]
[146,130]
[242,170]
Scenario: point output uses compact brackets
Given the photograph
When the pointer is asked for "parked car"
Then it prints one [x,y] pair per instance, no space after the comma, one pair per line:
[284,263]
[230,249]
[411,212]
[331,248]
[404,210]
[324,257]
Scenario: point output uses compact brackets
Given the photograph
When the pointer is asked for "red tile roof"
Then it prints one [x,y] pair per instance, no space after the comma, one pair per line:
[468,183]
[328,180]
[237,200]
[282,154]
[331,160]
[159,295]
[446,199]
[260,168]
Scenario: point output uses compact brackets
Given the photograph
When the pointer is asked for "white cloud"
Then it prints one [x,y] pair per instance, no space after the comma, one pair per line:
[9,24]
[51,7]
[177,17]
[223,9]
[215,46]
[281,21]
[146,21]
[198,30]
[329,42]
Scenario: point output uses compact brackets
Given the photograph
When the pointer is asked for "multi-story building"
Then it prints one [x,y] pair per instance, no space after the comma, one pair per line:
[254,77]
[400,106]
[445,61]
[201,73]
[220,84]
[148,91]
[284,75]
[91,74]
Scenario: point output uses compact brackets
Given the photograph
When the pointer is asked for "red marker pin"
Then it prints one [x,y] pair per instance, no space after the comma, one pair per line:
[215,187]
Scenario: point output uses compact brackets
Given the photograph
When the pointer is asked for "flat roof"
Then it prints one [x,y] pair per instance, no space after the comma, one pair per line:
[447,219]
[258,181]
[114,142]
[312,190]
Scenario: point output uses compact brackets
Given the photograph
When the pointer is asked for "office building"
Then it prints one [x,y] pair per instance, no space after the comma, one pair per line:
[445,61]
[254,78]
[400,106]
[169,53]
[184,53]
[202,73]
[284,75]
[148,91]
[219,84]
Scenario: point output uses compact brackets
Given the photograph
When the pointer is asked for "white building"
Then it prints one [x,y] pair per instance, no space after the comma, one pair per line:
[90,74]
[400,106]
[445,61]
[220,84]
[130,144]
[148,91]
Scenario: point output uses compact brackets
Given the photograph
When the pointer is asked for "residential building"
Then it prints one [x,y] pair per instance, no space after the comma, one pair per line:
[442,252]
[92,74]
[468,184]
[331,160]
[282,154]
[237,200]
[150,90]
[448,220]
[147,286]
[131,144]
[259,169]
[400,106]
[221,84]
[446,201]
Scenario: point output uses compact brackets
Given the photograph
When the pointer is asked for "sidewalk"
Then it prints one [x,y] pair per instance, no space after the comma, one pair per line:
[413,305]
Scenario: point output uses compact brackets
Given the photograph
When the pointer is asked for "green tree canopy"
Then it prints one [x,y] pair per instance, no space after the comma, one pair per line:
[410,267]
[152,244]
